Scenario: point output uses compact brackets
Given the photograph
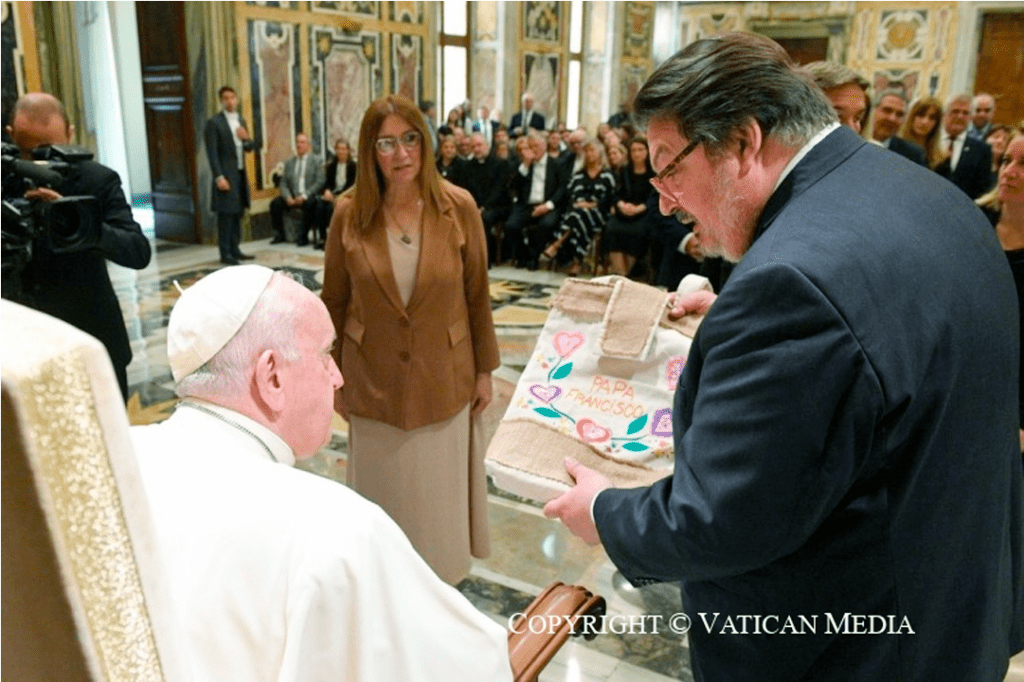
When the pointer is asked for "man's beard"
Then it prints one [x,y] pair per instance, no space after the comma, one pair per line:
[726,235]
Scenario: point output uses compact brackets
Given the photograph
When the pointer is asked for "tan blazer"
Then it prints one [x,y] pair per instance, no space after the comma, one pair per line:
[413,366]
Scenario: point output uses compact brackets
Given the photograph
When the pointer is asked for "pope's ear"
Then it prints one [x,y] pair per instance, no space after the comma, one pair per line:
[267,380]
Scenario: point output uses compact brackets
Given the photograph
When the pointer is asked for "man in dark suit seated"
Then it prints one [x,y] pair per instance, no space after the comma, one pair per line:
[855,380]
[74,285]
[540,190]
[888,117]
[487,179]
[528,118]
[302,182]
[969,165]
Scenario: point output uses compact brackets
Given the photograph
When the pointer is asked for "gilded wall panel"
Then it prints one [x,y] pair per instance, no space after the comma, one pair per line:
[541,77]
[276,94]
[542,21]
[364,9]
[485,65]
[344,80]
[407,11]
[407,65]
[485,24]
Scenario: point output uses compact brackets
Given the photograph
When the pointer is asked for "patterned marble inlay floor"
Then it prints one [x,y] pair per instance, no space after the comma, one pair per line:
[529,551]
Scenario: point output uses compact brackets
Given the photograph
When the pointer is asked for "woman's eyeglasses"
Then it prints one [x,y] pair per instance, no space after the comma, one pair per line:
[389,145]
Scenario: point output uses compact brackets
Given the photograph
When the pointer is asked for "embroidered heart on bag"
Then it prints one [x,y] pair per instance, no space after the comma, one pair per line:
[661,425]
[674,368]
[545,393]
[591,432]
[567,342]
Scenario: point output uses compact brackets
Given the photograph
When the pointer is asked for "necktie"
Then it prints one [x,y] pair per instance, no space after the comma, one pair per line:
[950,149]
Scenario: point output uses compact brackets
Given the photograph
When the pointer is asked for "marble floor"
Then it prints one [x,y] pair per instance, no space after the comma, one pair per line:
[529,551]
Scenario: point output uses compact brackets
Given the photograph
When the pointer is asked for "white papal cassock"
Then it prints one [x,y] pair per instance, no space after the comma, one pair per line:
[278,574]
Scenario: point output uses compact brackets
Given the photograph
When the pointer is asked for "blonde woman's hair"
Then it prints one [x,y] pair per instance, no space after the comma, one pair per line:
[990,199]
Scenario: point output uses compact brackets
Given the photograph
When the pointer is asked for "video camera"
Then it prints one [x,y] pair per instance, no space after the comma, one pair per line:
[66,225]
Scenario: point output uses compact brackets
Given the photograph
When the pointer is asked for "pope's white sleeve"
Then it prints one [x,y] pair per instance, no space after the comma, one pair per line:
[370,609]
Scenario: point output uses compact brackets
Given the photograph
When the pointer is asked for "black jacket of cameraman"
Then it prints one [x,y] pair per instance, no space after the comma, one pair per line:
[75,287]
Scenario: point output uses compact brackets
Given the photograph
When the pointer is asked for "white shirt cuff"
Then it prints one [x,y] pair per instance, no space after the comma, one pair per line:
[550,205]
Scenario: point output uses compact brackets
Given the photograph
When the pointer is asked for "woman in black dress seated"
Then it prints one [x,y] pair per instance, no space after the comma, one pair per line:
[628,227]
[591,193]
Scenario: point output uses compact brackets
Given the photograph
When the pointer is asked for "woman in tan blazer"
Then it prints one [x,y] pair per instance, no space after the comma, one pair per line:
[405,281]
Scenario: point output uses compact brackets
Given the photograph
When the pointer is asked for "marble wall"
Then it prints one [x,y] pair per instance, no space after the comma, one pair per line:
[314,67]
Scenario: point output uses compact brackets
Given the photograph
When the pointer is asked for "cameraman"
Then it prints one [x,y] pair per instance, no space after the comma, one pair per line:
[75,287]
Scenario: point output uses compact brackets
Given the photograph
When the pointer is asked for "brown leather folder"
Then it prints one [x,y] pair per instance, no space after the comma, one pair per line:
[537,634]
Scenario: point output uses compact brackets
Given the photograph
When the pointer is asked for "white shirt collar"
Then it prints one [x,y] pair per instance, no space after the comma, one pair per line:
[798,157]
[278,448]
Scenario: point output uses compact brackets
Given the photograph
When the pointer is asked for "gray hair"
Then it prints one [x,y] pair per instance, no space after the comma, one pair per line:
[712,87]
[893,92]
[270,326]
[827,75]
[958,97]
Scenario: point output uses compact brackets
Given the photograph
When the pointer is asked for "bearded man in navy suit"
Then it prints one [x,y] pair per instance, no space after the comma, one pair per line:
[846,499]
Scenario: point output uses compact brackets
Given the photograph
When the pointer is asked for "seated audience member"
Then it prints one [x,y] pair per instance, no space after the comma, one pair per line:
[503,144]
[591,194]
[276,573]
[340,175]
[969,165]
[887,119]
[628,235]
[845,89]
[997,139]
[526,119]
[573,156]
[539,189]
[449,165]
[983,109]
[1005,207]
[456,118]
[301,183]
[554,145]
[429,111]
[464,144]
[487,179]
[616,158]
[503,151]
[922,128]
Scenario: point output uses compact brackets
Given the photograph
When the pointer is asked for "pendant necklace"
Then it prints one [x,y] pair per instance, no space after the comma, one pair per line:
[406,239]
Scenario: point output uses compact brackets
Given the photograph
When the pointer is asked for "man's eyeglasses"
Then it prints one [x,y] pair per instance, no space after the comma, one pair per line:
[659,180]
[389,145]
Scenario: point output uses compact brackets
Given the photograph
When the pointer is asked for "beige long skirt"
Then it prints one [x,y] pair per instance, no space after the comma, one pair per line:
[432,482]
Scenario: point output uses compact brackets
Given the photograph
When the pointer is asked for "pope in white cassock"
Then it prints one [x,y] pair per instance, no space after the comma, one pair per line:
[275,573]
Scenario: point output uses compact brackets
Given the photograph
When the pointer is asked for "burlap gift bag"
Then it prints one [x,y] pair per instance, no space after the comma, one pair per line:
[598,387]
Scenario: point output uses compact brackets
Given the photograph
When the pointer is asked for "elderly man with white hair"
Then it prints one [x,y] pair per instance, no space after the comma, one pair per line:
[275,573]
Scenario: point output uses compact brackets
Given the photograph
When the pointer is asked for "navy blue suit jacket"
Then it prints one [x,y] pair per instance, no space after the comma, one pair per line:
[846,440]
[911,150]
[973,173]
